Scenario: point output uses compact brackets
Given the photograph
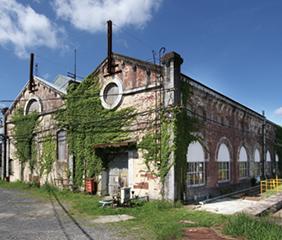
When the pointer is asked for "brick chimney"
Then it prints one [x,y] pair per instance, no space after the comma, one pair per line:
[172,69]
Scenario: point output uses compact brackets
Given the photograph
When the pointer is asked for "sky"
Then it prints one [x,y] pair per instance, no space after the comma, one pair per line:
[232,46]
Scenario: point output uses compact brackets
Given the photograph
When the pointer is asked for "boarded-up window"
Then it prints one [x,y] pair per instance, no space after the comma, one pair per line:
[62,146]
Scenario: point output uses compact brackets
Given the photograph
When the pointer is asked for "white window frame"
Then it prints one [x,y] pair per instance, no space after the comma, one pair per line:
[220,168]
[257,166]
[243,163]
[223,155]
[195,173]
[195,157]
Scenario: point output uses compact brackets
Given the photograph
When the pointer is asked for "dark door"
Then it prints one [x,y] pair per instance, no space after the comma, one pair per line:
[118,173]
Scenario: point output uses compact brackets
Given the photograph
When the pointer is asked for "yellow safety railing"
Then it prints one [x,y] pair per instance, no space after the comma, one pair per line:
[270,184]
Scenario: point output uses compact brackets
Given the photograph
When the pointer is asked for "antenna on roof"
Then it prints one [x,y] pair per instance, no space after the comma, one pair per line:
[36,69]
[73,75]
[31,79]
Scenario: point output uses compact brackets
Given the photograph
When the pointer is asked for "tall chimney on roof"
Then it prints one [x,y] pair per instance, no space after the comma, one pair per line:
[31,79]
[110,46]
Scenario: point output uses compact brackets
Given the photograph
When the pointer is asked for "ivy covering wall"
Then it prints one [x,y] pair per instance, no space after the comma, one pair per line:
[24,126]
[174,137]
[88,123]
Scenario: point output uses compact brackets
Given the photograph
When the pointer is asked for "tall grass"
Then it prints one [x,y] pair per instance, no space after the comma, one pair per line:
[252,228]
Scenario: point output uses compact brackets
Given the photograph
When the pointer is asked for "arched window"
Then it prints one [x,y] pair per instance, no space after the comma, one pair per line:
[276,158]
[196,164]
[268,156]
[257,164]
[33,105]
[268,164]
[243,163]
[223,165]
[62,146]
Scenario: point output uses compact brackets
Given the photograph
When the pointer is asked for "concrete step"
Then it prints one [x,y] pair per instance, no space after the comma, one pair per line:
[268,205]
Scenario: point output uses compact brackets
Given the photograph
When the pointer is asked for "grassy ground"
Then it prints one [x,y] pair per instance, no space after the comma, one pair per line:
[271,192]
[156,219]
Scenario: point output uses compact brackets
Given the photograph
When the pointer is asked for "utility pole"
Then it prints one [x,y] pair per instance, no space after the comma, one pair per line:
[263,163]
[75,64]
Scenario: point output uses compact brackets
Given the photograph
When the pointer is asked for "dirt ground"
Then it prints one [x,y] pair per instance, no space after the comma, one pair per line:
[203,234]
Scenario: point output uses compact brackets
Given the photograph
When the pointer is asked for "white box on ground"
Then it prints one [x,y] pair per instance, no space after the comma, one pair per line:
[124,195]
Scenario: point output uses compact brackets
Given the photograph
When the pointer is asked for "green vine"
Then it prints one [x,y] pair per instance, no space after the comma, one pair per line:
[185,126]
[156,150]
[23,130]
[88,123]
[175,135]
[48,156]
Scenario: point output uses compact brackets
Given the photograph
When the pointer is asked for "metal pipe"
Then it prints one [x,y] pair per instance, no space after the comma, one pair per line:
[228,195]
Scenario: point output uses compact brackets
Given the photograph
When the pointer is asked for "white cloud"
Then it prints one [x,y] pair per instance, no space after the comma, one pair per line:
[278,111]
[23,28]
[92,15]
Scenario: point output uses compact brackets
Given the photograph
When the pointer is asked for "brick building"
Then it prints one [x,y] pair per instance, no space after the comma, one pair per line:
[229,153]
[45,99]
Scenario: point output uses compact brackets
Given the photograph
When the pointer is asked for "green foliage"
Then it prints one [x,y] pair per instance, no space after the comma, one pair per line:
[184,127]
[157,149]
[88,123]
[175,135]
[253,229]
[48,155]
[23,130]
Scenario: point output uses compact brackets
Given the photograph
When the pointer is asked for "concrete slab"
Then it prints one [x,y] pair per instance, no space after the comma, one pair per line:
[252,207]
[227,206]
[112,218]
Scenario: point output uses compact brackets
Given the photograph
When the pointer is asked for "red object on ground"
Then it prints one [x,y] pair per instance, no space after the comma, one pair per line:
[90,186]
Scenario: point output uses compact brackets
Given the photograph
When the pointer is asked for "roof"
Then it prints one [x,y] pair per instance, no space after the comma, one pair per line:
[61,82]
[123,57]
[60,86]
[199,84]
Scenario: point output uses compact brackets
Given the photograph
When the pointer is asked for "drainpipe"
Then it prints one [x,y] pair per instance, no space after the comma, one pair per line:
[263,148]
[4,145]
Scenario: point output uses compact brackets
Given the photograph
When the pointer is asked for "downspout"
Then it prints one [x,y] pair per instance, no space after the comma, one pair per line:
[4,145]
[263,148]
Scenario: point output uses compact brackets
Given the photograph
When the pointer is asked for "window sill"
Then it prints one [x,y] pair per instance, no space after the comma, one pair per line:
[196,185]
[224,181]
[244,178]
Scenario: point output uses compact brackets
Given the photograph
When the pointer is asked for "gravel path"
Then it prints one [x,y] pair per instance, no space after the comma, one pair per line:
[25,218]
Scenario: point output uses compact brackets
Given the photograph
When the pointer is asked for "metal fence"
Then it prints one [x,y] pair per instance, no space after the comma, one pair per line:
[270,184]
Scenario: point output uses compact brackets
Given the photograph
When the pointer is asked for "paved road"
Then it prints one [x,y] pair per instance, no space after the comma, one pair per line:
[25,218]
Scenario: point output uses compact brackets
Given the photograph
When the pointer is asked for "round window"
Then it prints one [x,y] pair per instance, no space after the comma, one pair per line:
[111,94]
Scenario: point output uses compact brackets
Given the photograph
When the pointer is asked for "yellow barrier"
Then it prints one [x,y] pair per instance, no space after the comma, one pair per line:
[270,184]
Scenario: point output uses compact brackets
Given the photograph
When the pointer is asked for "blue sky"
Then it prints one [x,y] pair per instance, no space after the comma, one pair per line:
[233,46]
